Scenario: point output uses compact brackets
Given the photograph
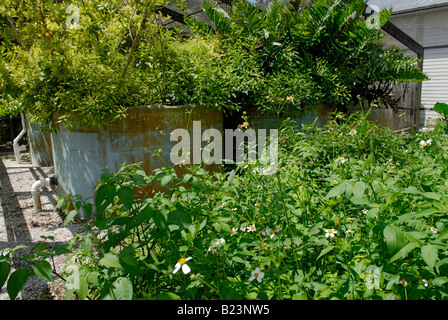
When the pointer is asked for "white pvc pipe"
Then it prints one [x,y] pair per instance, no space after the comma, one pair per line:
[17,148]
[35,191]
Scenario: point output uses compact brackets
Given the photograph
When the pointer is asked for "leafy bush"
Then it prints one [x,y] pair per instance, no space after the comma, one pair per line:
[354,212]
[324,52]
[119,56]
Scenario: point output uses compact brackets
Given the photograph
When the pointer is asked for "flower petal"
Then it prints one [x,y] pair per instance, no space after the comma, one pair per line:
[176,267]
[186,269]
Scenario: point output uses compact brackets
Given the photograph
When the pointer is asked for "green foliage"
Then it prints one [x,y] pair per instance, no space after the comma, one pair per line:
[115,58]
[442,109]
[88,65]
[321,53]
[353,212]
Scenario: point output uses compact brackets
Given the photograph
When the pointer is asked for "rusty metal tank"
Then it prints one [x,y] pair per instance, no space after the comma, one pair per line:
[39,140]
[81,154]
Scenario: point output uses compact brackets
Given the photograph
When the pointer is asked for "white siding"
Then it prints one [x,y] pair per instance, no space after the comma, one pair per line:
[429,28]
[404,5]
[435,65]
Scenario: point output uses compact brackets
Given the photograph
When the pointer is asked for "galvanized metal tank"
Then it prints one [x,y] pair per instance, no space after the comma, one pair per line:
[41,151]
[81,154]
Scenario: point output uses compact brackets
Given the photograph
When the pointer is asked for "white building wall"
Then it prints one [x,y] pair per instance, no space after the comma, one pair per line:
[429,28]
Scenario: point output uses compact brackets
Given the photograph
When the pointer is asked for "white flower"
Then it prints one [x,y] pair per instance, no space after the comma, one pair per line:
[265,231]
[330,233]
[425,282]
[220,242]
[348,232]
[182,264]
[212,249]
[341,160]
[365,211]
[243,228]
[256,170]
[353,132]
[424,143]
[434,230]
[274,231]
[251,228]
[256,274]
[233,232]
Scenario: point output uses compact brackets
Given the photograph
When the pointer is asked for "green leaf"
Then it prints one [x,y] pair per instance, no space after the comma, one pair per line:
[5,268]
[336,191]
[16,282]
[70,216]
[104,197]
[167,296]
[394,238]
[110,260]
[43,270]
[362,201]
[412,190]
[325,251]
[432,195]
[373,213]
[126,196]
[187,178]
[138,179]
[441,108]
[145,213]
[160,218]
[430,255]
[165,181]
[180,217]
[404,251]
[83,286]
[359,189]
[122,289]
[61,249]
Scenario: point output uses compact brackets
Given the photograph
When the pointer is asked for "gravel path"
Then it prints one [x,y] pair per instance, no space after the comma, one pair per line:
[19,224]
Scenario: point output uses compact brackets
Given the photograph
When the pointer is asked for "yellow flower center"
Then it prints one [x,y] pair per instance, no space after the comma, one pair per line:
[182,261]
[256,275]
[330,231]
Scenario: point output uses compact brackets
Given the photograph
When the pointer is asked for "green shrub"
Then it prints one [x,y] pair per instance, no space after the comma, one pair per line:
[119,56]
[354,212]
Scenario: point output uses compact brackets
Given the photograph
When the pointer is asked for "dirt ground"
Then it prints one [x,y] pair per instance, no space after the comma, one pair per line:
[21,225]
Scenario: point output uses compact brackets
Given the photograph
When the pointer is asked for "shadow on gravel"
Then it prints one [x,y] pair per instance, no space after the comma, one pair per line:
[15,222]
[16,227]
